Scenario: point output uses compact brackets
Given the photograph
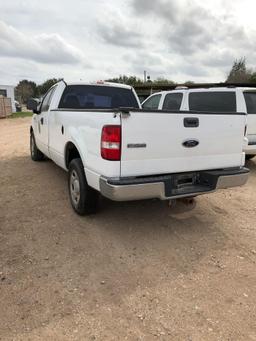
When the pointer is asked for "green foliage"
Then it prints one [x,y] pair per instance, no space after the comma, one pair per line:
[253,77]
[239,73]
[25,90]
[45,86]
[189,83]
[21,114]
[163,81]
[133,80]
[129,80]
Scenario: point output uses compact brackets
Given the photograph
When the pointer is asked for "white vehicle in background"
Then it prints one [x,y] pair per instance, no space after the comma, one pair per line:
[226,99]
[110,146]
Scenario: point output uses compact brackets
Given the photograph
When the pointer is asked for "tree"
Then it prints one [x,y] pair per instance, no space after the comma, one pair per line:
[45,86]
[25,90]
[253,77]
[239,73]
[163,81]
[188,83]
[129,80]
[133,80]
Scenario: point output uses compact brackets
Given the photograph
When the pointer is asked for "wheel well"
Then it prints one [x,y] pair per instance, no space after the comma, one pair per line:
[71,153]
[31,130]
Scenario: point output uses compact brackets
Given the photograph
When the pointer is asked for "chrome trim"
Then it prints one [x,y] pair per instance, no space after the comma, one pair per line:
[132,192]
[157,190]
[232,181]
[250,149]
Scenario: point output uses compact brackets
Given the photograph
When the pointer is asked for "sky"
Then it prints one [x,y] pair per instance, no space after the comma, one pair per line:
[94,40]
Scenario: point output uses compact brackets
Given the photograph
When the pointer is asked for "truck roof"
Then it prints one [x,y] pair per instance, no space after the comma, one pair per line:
[227,88]
[100,83]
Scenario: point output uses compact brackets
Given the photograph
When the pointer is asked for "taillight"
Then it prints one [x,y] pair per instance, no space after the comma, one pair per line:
[111,143]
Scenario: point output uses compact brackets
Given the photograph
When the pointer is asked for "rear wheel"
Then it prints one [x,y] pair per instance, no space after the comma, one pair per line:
[84,199]
[36,154]
[249,156]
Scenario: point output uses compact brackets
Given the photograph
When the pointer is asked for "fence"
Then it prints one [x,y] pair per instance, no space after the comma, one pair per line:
[5,106]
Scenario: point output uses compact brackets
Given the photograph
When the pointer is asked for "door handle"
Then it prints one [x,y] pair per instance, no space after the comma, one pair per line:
[191,122]
[42,120]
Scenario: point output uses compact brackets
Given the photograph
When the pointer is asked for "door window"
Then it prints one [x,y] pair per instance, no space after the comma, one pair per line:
[250,100]
[152,102]
[47,99]
[173,101]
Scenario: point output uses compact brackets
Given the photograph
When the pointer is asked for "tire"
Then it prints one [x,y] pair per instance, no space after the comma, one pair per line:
[35,153]
[249,156]
[83,198]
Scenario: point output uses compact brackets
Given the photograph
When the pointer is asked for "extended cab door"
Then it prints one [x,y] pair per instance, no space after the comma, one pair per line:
[41,131]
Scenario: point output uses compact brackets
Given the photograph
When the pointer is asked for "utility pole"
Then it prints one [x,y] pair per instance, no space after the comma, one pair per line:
[145,76]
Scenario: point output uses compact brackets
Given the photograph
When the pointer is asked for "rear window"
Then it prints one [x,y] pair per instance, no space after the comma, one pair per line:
[173,101]
[250,100]
[96,97]
[213,101]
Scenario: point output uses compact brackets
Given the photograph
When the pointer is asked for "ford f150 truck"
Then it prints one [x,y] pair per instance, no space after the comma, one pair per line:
[224,99]
[110,146]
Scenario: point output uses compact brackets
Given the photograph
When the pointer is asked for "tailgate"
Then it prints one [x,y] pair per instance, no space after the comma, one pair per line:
[167,142]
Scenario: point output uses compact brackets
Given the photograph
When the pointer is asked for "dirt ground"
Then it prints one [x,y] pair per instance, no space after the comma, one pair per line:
[134,271]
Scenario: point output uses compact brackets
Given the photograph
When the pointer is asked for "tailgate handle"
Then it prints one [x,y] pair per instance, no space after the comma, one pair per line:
[191,122]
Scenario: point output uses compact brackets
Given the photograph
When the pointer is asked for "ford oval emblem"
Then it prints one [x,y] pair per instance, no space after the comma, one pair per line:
[190,143]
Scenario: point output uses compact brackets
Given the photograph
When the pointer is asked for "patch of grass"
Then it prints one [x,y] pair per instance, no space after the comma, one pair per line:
[21,114]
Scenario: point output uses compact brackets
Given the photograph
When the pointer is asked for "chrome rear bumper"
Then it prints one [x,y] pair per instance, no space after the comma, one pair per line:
[250,146]
[172,186]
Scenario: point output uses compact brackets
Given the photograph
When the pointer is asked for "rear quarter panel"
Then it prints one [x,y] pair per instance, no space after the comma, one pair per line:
[83,129]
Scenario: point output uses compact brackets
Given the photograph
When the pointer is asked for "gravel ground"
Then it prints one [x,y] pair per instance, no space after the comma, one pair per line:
[135,271]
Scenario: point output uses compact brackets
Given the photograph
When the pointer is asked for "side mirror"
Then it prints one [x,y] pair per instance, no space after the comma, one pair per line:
[33,104]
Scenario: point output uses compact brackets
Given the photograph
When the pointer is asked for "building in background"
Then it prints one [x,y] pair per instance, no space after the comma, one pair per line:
[8,91]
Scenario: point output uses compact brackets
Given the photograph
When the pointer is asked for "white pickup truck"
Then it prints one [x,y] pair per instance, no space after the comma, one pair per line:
[224,99]
[109,145]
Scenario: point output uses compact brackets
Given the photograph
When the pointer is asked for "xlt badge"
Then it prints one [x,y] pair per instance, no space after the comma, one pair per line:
[136,145]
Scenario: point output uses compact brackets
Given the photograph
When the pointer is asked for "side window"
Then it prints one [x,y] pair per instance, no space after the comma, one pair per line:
[218,101]
[250,100]
[173,101]
[47,99]
[152,102]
